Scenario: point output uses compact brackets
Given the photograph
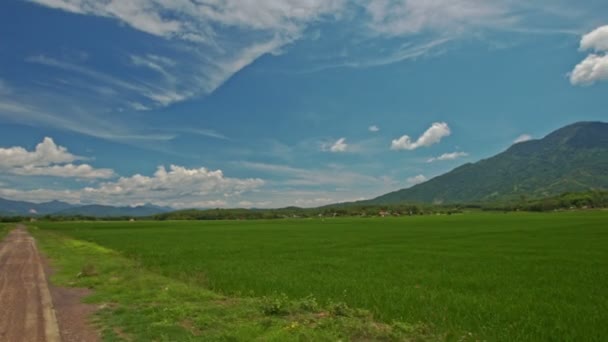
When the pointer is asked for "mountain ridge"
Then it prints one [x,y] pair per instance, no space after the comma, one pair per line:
[58,208]
[573,158]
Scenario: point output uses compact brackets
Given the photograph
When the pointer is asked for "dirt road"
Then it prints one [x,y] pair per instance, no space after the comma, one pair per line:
[26,306]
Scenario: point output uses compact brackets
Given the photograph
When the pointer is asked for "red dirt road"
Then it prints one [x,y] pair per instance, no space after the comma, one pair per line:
[26,306]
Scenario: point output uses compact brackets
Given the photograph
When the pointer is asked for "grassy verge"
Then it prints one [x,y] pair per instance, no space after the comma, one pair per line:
[139,305]
[4,229]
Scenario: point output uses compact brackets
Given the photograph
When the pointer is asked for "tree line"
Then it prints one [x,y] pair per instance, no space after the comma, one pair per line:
[567,201]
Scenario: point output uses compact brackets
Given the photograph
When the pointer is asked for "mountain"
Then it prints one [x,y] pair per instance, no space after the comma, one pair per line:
[8,207]
[20,208]
[571,159]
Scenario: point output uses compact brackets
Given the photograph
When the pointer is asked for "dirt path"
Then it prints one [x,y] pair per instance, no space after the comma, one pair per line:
[26,306]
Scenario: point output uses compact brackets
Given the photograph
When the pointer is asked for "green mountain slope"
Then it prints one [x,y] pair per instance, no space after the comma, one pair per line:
[573,158]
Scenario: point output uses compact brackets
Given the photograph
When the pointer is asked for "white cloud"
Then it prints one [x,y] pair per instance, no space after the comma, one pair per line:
[595,40]
[159,95]
[215,38]
[138,106]
[45,153]
[373,128]
[406,17]
[411,181]
[24,110]
[41,195]
[82,171]
[448,156]
[48,159]
[177,187]
[203,132]
[339,146]
[431,136]
[337,177]
[174,184]
[522,138]
[211,40]
[594,68]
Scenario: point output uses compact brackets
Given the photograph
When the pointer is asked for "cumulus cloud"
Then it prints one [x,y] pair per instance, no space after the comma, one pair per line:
[374,128]
[448,156]
[596,40]
[176,186]
[431,136]
[411,181]
[45,153]
[594,67]
[48,159]
[176,180]
[82,171]
[522,138]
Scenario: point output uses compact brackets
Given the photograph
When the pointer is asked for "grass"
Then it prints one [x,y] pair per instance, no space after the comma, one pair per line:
[139,305]
[4,229]
[487,276]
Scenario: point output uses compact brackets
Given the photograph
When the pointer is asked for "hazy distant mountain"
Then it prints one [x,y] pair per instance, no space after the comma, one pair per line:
[573,158]
[20,208]
[8,207]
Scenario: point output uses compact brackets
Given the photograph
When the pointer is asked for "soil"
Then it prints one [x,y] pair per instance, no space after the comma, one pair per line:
[30,309]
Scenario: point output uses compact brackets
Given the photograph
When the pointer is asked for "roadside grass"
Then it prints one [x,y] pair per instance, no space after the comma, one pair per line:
[498,277]
[4,229]
[136,304]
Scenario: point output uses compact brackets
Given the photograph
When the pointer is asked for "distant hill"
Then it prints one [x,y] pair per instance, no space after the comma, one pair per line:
[8,207]
[57,208]
[571,159]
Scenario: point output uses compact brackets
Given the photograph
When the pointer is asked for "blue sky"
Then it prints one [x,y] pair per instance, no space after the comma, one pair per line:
[272,103]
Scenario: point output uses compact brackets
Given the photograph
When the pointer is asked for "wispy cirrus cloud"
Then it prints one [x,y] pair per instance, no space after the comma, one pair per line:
[201,44]
[215,40]
[406,17]
[49,110]
[198,31]
[295,176]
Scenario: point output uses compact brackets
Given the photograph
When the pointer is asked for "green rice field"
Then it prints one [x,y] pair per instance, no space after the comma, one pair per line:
[507,277]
